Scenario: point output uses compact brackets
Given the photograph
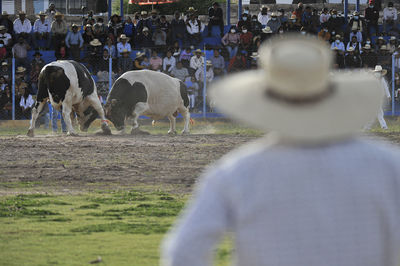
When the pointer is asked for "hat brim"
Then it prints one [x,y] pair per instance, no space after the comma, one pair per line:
[354,102]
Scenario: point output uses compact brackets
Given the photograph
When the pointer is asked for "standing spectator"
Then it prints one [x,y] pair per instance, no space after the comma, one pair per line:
[368,57]
[6,22]
[195,28]
[51,11]
[218,63]
[178,29]
[389,17]
[95,51]
[209,75]
[145,40]
[100,30]
[22,27]
[154,20]
[74,42]
[231,41]
[5,36]
[246,40]
[34,78]
[61,51]
[185,57]
[115,27]
[306,19]
[298,12]
[338,43]
[20,50]
[352,59]
[26,103]
[256,26]
[392,45]
[129,30]
[110,47]
[193,91]
[335,23]
[356,22]
[5,71]
[104,63]
[59,29]
[237,63]
[156,62]
[180,72]
[54,117]
[216,18]
[245,21]
[371,15]
[37,60]
[144,22]
[159,39]
[169,63]
[274,23]
[88,35]
[41,31]
[197,61]
[125,62]
[123,44]
[263,16]
[165,26]
[324,17]
[137,63]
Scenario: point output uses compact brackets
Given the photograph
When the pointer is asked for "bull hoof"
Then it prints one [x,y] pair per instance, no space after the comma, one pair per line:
[137,131]
[106,129]
[30,133]
[172,133]
[185,132]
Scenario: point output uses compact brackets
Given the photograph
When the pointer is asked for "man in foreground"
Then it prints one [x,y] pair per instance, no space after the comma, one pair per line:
[311,192]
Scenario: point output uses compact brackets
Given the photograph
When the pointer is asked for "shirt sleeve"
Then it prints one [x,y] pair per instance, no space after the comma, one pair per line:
[80,40]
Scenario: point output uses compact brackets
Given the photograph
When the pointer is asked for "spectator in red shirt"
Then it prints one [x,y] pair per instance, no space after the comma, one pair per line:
[237,63]
[246,39]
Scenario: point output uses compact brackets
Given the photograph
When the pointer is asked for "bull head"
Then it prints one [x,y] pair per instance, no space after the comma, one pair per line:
[113,112]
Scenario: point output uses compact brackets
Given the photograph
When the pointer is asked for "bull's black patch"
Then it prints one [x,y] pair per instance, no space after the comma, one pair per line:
[42,92]
[85,80]
[184,94]
[126,96]
[93,115]
[53,79]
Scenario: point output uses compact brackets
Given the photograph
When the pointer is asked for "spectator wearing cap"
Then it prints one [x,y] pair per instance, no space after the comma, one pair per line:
[37,60]
[263,16]
[379,42]
[59,29]
[246,40]
[169,62]
[115,27]
[274,23]
[368,57]
[144,22]
[22,27]
[237,63]
[216,18]
[137,63]
[352,59]
[197,61]
[74,42]
[123,44]
[178,29]
[231,41]
[110,47]
[355,44]
[20,50]
[218,63]
[5,36]
[389,17]
[195,29]
[156,62]
[324,17]
[371,15]
[145,40]
[324,34]
[6,22]
[338,43]
[124,62]
[180,72]
[41,31]
[51,11]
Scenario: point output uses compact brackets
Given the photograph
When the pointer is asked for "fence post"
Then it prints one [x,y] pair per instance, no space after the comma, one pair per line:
[393,81]
[13,86]
[109,74]
[205,84]
[228,13]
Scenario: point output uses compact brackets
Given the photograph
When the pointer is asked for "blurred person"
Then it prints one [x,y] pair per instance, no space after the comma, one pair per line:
[104,62]
[42,31]
[178,29]
[5,36]
[100,31]
[356,22]
[371,15]
[5,71]
[37,60]
[338,58]
[74,43]
[156,62]
[22,27]
[209,74]
[123,44]
[193,91]
[237,63]
[144,22]
[294,24]
[3,83]
[61,51]
[59,29]
[129,30]
[115,27]
[54,117]
[196,61]
[324,34]
[110,47]
[145,40]
[6,22]
[338,43]
[324,17]
[392,45]
[185,57]
[195,29]
[154,20]
[6,103]
[335,23]
[274,23]
[88,35]
[282,18]
[306,18]
[179,71]
[231,41]
[256,26]
[169,62]
[125,62]
[352,59]
[159,39]
[3,50]
[244,22]
[145,63]
[266,33]
[20,50]
[137,63]
[51,11]
[263,16]
[356,33]
[94,52]
[368,57]
[216,18]
[384,57]
[298,12]
[379,42]
[389,17]
[218,63]
[276,195]
[26,103]
[355,44]
[246,40]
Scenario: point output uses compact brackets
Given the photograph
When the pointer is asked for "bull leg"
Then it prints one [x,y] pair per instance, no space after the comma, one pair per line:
[140,108]
[66,112]
[172,125]
[35,114]
[186,118]
[99,109]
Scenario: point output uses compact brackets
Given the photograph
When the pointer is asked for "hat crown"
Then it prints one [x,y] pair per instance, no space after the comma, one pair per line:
[297,67]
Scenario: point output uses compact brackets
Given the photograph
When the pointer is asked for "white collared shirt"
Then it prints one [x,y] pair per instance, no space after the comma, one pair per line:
[196,63]
[169,61]
[194,28]
[26,103]
[6,37]
[389,13]
[263,19]
[22,27]
[41,27]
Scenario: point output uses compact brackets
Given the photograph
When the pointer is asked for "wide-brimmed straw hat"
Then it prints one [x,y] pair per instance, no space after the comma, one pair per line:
[367,47]
[4,13]
[140,54]
[267,30]
[2,27]
[21,12]
[20,69]
[58,14]
[95,42]
[209,63]
[378,68]
[198,51]
[297,94]
[41,14]
[123,37]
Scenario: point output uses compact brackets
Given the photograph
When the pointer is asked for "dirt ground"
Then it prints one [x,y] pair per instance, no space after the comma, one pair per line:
[61,164]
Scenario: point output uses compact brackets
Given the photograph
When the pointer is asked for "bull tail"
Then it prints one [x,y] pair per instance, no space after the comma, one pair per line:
[184,94]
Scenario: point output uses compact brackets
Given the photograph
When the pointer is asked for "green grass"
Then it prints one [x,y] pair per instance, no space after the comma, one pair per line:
[122,227]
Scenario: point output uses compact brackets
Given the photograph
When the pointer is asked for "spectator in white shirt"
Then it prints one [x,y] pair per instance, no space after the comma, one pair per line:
[169,62]
[209,73]
[41,31]
[324,17]
[5,36]
[338,44]
[23,27]
[26,104]
[195,28]
[197,61]
[389,17]
[263,16]
[123,45]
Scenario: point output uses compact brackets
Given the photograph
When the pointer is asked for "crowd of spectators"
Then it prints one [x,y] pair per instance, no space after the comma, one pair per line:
[175,46]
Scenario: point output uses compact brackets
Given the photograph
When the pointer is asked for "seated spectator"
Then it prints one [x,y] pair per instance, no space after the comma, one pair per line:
[123,44]
[324,34]
[244,22]
[104,62]
[165,26]
[392,45]
[175,50]
[110,47]
[6,103]
[95,51]
[145,40]
[129,30]
[169,63]
[216,18]
[100,31]
[274,23]
[246,40]
[61,51]
[263,16]
[389,17]
[193,91]
[37,60]
[74,42]
[197,61]
[368,57]
[371,16]
[144,22]
[179,72]
[282,18]
[384,58]
[125,62]
[51,11]
[3,51]
[294,24]
[266,33]
[335,23]
[88,35]
[5,71]
[237,63]
[7,23]
[22,27]
[355,44]
[41,31]
[185,57]
[145,63]
[20,50]
[5,36]
[380,42]
[218,63]
[231,41]
[356,33]
[159,39]
[352,59]
[324,17]
[338,43]
[34,78]
[178,29]
[115,27]
[154,20]
[155,61]
[3,83]
[20,87]
[339,58]
[59,29]
[209,73]
[137,63]
[256,26]
[194,28]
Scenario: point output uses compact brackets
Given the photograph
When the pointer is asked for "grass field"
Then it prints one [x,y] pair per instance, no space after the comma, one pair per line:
[114,221]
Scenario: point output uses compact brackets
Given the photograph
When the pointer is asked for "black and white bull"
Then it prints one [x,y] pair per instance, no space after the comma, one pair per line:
[150,93]
[70,87]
